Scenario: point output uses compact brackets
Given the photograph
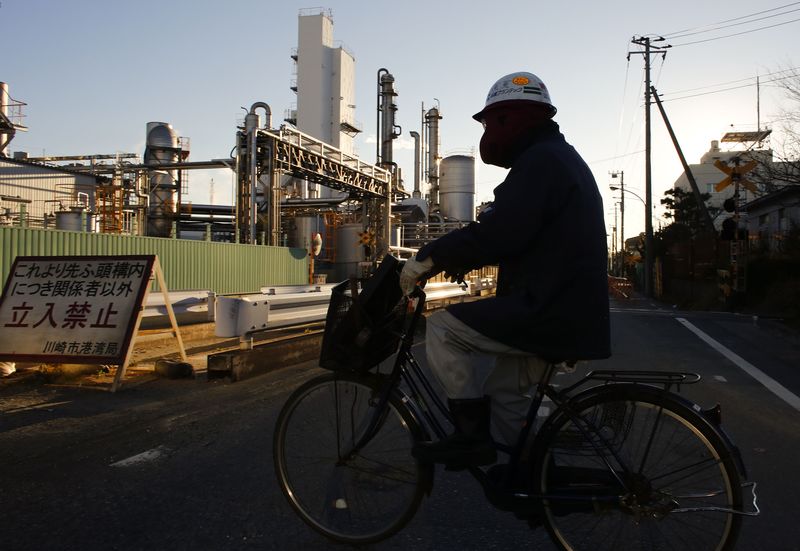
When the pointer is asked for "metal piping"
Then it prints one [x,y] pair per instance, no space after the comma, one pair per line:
[253,146]
[267,111]
[414,134]
[387,129]
[432,118]
[378,133]
[251,128]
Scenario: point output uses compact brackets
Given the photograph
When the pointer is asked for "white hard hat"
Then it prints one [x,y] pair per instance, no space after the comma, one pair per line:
[517,86]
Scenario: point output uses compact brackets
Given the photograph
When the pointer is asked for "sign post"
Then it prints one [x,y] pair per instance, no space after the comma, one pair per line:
[77,309]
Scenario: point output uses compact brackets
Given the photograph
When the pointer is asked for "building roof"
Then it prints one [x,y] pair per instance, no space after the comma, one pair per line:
[66,170]
[778,196]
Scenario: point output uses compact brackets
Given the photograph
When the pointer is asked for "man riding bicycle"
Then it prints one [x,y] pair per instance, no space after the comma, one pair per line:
[545,231]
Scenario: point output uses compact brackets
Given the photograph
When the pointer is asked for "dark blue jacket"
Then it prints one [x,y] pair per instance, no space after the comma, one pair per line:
[545,230]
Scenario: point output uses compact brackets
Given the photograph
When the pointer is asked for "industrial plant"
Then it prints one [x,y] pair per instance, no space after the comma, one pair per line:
[299,186]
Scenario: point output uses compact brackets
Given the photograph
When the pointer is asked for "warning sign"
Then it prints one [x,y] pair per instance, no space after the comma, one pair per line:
[72,309]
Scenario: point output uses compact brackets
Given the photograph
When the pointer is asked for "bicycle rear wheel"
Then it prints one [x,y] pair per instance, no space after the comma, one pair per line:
[350,497]
[673,485]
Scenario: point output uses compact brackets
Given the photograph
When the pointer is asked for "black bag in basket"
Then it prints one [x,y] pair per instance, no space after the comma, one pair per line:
[362,331]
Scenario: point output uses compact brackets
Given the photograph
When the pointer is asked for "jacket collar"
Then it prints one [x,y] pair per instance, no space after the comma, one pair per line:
[547,130]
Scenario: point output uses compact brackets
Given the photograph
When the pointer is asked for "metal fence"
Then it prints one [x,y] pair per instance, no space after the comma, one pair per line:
[220,267]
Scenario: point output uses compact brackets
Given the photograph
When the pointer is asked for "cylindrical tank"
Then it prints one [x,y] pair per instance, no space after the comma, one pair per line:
[457,187]
[349,250]
[301,229]
[396,236]
[161,148]
[72,220]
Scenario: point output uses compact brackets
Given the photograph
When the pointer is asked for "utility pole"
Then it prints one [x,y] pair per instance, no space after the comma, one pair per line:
[649,49]
[621,176]
[614,250]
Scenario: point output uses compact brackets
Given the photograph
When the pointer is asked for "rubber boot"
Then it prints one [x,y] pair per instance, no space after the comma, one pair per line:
[470,445]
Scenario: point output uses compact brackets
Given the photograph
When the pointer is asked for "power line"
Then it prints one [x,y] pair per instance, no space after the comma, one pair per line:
[732,81]
[598,161]
[727,89]
[720,27]
[735,34]
[731,20]
[735,24]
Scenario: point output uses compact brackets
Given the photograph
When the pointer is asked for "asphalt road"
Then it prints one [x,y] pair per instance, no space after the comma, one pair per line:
[187,464]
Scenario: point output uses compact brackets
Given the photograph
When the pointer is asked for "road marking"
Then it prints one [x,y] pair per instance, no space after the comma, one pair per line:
[720,378]
[41,405]
[149,455]
[771,384]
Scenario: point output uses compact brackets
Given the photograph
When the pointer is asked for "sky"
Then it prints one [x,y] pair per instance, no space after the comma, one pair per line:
[94,72]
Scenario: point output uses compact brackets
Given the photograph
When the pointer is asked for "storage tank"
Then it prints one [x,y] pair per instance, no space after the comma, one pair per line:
[349,250]
[457,187]
[301,229]
[161,148]
[74,219]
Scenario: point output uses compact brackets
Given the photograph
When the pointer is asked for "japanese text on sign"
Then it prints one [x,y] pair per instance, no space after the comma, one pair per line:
[78,307]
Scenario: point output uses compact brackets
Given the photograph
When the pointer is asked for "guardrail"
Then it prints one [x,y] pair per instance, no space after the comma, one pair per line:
[274,307]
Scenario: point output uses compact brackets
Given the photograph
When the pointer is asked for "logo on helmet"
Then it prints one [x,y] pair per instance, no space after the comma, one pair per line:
[520,81]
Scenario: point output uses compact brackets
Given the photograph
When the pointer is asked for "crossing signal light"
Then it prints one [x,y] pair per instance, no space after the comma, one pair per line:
[728,232]
[731,230]
[729,204]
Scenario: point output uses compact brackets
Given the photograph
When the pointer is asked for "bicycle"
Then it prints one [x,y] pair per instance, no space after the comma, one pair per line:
[626,463]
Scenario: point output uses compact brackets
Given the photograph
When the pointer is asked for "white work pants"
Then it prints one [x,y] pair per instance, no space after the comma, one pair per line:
[469,364]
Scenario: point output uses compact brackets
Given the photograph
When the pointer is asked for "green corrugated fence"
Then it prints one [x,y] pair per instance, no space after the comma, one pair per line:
[219,267]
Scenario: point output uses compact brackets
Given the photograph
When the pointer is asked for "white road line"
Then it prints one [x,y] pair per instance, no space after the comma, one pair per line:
[772,385]
[720,378]
[149,455]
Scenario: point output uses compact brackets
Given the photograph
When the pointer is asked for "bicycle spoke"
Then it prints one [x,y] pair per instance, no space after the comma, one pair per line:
[663,457]
[349,494]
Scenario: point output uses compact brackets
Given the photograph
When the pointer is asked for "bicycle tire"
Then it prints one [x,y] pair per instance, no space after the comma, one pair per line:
[355,500]
[682,463]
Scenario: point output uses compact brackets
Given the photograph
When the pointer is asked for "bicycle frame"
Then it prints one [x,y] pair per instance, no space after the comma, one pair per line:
[421,395]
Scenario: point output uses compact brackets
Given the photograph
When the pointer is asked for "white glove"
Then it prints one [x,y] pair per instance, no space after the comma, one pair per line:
[411,273]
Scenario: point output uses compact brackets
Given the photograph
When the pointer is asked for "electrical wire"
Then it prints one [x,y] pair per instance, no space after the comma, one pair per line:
[622,107]
[634,124]
[673,34]
[736,34]
[615,157]
[718,28]
[792,69]
[729,89]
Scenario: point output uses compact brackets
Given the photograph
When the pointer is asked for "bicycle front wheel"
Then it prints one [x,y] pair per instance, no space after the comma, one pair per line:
[632,467]
[350,496]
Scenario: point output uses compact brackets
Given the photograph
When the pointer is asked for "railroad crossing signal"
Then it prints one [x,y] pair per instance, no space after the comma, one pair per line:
[735,173]
[366,237]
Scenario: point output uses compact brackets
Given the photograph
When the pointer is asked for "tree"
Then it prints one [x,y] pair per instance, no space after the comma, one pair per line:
[687,219]
[683,210]
[785,166]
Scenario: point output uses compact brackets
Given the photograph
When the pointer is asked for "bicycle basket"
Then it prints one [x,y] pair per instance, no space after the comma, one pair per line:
[362,331]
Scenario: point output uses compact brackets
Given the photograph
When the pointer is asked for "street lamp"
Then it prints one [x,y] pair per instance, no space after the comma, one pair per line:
[615,188]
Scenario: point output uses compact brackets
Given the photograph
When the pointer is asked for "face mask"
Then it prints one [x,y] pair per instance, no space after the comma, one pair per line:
[495,150]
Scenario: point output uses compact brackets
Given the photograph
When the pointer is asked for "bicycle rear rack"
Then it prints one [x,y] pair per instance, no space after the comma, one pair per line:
[653,377]
[666,378]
